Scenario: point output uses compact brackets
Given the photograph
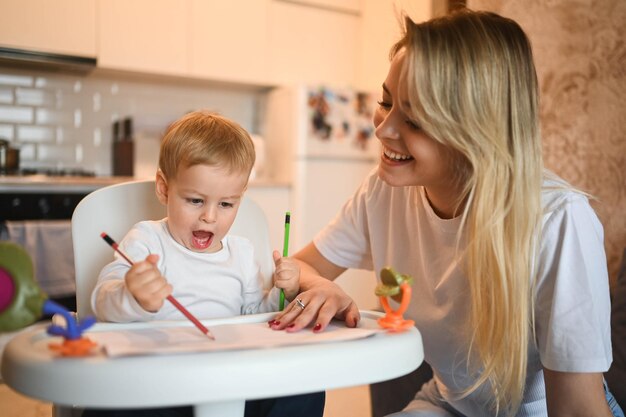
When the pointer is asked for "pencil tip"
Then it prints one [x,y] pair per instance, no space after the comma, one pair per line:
[107,239]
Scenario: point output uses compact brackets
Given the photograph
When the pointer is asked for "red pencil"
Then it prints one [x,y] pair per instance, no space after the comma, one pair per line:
[170,298]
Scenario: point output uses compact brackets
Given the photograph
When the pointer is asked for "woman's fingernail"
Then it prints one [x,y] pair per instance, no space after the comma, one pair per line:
[317,327]
[276,323]
[271,322]
[292,325]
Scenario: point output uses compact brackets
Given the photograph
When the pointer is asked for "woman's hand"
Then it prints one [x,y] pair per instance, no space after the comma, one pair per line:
[287,275]
[322,301]
[145,282]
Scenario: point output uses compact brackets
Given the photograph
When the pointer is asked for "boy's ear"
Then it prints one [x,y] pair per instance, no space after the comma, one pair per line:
[161,187]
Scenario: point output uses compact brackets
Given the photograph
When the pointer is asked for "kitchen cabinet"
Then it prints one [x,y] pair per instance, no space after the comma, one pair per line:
[59,26]
[207,39]
[312,44]
[144,35]
[337,5]
[380,29]
[274,41]
[262,42]
[229,40]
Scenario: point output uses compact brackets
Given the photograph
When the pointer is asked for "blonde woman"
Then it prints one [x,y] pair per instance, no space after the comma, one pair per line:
[510,285]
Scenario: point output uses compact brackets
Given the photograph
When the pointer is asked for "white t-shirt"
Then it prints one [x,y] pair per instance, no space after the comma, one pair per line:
[210,285]
[396,226]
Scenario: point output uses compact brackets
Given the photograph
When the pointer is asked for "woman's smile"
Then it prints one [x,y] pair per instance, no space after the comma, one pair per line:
[394,156]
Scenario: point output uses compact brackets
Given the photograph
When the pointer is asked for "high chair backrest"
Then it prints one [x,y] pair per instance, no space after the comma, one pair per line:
[116,208]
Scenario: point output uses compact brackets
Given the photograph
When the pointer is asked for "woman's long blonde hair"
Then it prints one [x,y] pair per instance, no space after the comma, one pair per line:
[473,87]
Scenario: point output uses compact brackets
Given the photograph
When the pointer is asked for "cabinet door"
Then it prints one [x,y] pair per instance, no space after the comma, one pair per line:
[380,29]
[312,44]
[337,5]
[144,35]
[229,40]
[60,26]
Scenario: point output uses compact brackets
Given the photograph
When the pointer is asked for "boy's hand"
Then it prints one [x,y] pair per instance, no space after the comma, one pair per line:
[287,275]
[147,285]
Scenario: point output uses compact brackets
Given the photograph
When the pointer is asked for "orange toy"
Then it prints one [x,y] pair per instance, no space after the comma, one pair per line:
[397,286]
[76,347]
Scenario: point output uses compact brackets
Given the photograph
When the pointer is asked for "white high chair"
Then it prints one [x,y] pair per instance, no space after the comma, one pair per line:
[116,208]
[216,383]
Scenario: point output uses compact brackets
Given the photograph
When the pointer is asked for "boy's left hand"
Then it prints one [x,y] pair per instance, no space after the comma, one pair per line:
[287,275]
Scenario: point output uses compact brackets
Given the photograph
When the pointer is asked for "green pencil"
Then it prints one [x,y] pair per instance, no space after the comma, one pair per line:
[281,302]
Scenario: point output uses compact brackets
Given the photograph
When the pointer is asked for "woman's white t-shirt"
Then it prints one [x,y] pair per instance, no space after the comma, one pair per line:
[396,226]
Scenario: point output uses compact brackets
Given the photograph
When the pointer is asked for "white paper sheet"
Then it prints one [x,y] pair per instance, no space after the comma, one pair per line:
[168,340]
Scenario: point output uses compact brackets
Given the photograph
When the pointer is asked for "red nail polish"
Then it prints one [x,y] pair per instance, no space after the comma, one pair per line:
[317,327]
[291,325]
[271,322]
[276,323]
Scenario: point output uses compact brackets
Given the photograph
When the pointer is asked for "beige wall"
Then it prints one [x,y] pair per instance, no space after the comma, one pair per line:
[580,53]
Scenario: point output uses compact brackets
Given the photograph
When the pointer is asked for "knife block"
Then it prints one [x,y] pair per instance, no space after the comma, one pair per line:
[123,158]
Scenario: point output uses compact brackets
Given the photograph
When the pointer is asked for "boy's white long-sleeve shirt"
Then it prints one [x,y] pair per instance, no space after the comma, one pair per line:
[210,285]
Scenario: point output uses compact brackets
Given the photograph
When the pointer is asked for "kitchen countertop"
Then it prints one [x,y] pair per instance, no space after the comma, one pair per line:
[51,184]
[40,183]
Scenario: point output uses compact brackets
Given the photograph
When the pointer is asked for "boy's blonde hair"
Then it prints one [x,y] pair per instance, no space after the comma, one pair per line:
[472,86]
[203,137]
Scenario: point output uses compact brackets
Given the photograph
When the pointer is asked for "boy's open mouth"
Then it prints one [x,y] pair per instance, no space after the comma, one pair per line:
[202,239]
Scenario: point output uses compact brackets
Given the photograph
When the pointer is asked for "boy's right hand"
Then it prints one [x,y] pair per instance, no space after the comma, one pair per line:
[147,285]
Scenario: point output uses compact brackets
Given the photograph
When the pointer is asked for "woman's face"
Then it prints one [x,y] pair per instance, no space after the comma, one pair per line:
[409,156]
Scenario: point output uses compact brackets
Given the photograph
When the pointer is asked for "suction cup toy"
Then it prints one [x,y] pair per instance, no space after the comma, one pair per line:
[397,286]
[22,303]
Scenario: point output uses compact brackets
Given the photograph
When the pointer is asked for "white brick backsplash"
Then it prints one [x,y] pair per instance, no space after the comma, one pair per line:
[6,95]
[78,155]
[27,153]
[35,134]
[97,137]
[56,153]
[16,114]
[16,80]
[53,81]
[51,117]
[6,131]
[65,120]
[33,97]
[69,134]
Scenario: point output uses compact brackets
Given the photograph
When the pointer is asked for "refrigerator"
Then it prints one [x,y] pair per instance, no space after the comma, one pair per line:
[321,141]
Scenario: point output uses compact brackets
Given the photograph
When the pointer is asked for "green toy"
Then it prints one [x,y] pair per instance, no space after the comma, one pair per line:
[22,303]
[21,299]
[391,283]
[397,286]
